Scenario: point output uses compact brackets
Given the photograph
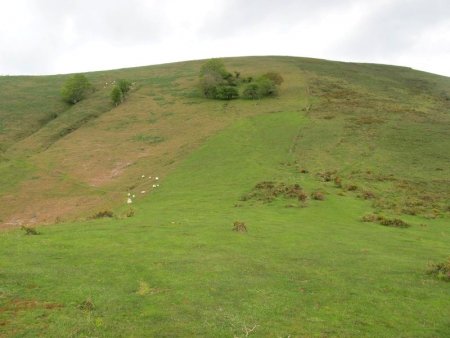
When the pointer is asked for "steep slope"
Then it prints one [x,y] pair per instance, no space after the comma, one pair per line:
[380,128]
[177,269]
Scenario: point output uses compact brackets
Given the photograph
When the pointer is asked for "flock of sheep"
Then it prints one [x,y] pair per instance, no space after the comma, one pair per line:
[131,196]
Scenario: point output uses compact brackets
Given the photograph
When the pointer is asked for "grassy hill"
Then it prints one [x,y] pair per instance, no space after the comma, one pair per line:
[368,139]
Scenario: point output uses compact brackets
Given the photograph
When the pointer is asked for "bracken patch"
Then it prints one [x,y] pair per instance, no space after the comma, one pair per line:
[390,222]
[268,191]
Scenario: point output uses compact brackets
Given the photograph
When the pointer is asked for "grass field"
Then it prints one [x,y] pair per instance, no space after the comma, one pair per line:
[371,139]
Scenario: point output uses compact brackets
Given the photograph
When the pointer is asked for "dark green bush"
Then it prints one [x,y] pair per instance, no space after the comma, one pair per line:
[124,86]
[266,87]
[120,91]
[226,93]
[251,91]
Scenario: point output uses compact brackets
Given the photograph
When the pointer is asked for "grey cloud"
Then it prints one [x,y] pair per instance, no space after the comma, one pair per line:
[394,28]
[239,16]
[123,23]
[118,22]
[41,41]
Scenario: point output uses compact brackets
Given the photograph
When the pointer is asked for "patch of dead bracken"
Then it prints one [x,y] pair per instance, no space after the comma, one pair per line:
[17,305]
[268,191]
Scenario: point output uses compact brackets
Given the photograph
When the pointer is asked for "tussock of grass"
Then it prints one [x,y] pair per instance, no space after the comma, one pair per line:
[87,305]
[440,270]
[30,230]
[239,227]
[143,289]
[318,196]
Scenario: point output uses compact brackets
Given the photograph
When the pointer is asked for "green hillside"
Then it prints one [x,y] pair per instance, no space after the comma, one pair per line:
[341,142]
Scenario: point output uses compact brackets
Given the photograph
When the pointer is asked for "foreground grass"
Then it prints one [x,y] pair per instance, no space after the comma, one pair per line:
[177,269]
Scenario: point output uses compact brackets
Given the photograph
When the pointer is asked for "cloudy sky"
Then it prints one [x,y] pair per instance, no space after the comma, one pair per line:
[64,36]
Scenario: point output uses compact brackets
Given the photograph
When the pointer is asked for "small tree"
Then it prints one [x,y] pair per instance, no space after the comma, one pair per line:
[216,82]
[209,83]
[120,91]
[75,88]
[214,66]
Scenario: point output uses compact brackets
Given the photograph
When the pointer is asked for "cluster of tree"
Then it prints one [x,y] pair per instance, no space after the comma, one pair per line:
[120,91]
[217,83]
[78,86]
[75,88]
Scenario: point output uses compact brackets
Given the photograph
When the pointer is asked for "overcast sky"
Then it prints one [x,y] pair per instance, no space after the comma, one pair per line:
[64,36]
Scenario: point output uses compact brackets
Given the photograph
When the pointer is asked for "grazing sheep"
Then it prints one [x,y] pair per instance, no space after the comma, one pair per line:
[129,201]
[143,192]
[156,178]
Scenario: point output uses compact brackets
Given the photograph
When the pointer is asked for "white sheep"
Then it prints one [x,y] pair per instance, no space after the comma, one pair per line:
[129,201]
